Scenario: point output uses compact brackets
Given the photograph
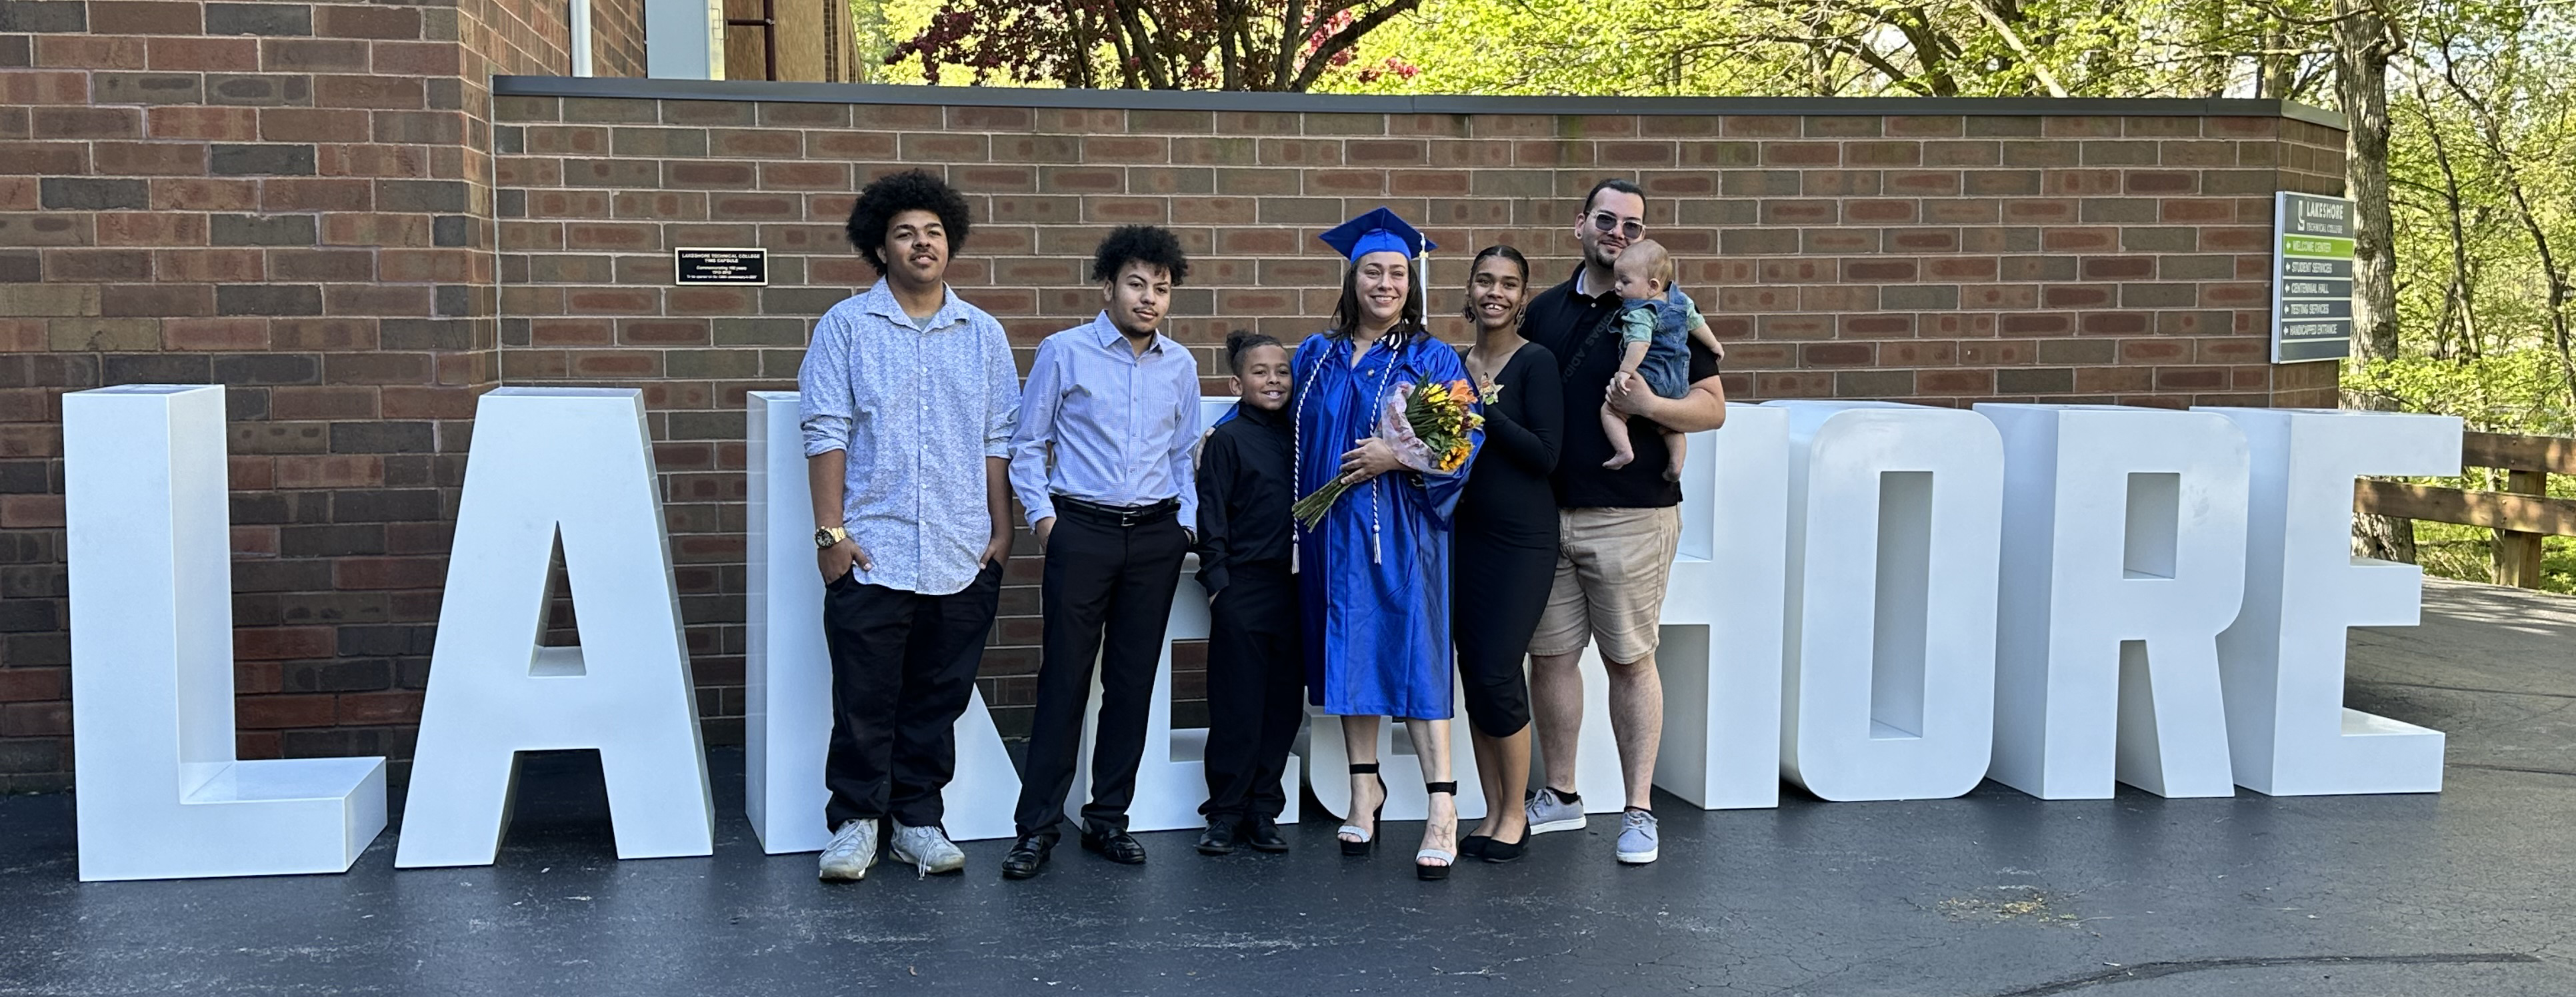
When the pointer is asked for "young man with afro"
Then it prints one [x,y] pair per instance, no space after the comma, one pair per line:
[907,398]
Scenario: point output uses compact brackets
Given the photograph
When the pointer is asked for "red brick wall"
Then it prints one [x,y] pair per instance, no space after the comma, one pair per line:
[294,200]
[1940,259]
[309,204]
[521,36]
[617,37]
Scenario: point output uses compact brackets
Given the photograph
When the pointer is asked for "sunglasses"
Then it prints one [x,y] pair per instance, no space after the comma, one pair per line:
[1604,221]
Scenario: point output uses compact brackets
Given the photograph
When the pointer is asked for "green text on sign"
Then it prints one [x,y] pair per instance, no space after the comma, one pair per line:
[2316,245]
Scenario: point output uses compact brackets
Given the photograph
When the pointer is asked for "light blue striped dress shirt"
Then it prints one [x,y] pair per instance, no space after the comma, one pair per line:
[918,406]
[1119,424]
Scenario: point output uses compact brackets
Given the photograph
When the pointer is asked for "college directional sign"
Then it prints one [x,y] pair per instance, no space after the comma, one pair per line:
[2311,277]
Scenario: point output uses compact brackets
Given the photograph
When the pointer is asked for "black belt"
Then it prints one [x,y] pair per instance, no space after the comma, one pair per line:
[1123,516]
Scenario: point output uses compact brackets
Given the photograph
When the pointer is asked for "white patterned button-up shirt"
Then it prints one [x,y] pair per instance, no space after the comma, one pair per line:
[917,406]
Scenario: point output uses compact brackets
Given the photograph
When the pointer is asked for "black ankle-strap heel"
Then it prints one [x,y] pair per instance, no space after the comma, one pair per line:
[1447,858]
[1367,837]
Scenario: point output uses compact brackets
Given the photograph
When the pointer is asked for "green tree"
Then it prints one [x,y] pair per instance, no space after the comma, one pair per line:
[2465,123]
[1157,44]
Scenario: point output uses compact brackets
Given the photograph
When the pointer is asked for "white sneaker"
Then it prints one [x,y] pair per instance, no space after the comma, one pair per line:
[852,851]
[927,848]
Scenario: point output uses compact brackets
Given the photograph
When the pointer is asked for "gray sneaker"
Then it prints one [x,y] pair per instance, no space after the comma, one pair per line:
[1550,812]
[852,851]
[1637,837]
[927,848]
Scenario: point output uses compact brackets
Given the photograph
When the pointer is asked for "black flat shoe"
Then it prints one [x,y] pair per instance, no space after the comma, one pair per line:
[1262,833]
[1219,837]
[1367,835]
[1498,851]
[1026,856]
[1114,844]
[1473,845]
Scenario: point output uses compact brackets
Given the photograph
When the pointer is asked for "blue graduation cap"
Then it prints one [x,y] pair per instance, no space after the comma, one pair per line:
[1378,231]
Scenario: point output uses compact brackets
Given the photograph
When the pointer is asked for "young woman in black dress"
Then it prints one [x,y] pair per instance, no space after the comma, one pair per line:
[1503,557]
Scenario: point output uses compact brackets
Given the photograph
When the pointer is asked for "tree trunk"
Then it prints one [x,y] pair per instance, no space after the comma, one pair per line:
[2363,45]
[2276,74]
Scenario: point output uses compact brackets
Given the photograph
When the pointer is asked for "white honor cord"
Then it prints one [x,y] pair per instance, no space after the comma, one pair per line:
[1373,526]
[1297,466]
[1377,409]
[1297,453]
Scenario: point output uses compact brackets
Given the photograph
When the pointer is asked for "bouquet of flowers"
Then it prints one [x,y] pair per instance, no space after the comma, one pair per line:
[1427,425]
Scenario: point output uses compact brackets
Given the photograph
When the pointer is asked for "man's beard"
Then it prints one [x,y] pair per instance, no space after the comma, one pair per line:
[1599,256]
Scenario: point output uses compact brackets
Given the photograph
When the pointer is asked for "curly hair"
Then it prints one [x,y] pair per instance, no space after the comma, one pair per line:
[896,193]
[1150,245]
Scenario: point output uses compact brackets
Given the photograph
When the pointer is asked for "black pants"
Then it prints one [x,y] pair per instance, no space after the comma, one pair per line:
[1256,690]
[903,669]
[1108,595]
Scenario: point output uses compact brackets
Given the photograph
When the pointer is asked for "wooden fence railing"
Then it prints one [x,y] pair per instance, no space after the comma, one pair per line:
[2521,514]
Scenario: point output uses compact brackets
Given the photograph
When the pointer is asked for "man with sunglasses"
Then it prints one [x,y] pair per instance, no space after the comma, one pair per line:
[1617,527]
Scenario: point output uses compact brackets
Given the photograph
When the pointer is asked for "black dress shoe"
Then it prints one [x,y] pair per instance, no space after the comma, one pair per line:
[1498,851]
[1114,844]
[1473,845]
[1026,855]
[1218,839]
[1262,833]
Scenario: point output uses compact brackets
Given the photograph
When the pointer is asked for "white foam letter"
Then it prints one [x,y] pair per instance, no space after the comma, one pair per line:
[149,538]
[2288,731]
[788,670]
[2123,557]
[574,464]
[1893,516]
[1720,656]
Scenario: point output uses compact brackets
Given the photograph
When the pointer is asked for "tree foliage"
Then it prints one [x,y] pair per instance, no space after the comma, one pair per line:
[2482,160]
[2478,99]
[1954,48]
[1157,44]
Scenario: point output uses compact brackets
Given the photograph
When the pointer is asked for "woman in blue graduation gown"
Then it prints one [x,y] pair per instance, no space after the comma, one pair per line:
[1373,576]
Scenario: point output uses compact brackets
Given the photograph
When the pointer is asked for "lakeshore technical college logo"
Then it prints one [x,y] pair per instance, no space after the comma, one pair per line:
[1873,600]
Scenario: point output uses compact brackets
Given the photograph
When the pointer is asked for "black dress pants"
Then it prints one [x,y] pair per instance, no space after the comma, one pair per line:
[1107,596]
[903,669]
[1256,690]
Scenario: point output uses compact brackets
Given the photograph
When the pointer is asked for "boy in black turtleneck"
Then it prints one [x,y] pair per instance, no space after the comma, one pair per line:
[1256,680]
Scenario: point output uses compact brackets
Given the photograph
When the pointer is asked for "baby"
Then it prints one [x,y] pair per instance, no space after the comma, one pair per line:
[1654,328]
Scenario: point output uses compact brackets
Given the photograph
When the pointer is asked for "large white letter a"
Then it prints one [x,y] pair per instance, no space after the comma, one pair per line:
[574,463]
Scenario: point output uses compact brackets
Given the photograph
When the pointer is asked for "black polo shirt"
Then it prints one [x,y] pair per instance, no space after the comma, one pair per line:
[1577,327]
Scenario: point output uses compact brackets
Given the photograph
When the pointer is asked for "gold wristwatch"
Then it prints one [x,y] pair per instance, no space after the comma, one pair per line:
[827,536]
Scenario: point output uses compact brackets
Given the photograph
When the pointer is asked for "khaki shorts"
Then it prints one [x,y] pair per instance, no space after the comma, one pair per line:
[1611,569]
